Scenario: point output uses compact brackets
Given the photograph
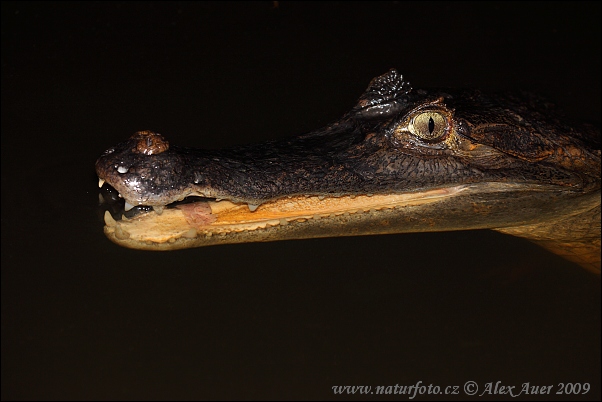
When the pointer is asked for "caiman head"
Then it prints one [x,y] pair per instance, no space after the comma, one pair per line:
[401,160]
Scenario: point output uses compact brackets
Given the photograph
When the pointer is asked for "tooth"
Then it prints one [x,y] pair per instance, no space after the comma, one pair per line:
[109,221]
[119,194]
[128,206]
[100,182]
[190,234]
[158,209]
[121,233]
[252,207]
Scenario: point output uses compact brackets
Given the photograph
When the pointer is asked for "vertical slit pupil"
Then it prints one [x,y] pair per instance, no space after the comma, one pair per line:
[431,125]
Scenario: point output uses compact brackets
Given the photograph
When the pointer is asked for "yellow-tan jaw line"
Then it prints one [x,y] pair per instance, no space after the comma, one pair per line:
[226,217]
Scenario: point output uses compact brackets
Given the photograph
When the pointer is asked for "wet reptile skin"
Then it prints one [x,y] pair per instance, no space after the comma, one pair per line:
[395,140]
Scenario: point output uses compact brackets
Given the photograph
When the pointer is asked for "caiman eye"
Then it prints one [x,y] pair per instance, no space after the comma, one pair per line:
[429,126]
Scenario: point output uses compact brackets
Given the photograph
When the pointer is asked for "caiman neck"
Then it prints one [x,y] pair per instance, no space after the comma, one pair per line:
[574,235]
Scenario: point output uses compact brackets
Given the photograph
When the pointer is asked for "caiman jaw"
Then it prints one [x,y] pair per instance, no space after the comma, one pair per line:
[214,222]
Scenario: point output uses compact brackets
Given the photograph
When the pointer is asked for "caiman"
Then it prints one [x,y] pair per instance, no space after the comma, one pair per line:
[401,160]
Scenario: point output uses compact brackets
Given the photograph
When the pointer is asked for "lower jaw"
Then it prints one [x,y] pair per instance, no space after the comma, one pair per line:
[219,222]
[486,205]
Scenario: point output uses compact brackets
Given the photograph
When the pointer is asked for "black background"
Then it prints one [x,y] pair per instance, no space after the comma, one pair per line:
[84,318]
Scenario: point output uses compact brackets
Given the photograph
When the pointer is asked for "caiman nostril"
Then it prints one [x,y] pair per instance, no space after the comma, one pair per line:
[150,143]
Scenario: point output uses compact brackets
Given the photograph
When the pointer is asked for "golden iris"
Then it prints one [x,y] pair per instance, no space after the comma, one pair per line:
[429,126]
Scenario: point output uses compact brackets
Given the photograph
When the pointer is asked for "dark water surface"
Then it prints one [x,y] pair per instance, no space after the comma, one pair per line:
[84,318]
